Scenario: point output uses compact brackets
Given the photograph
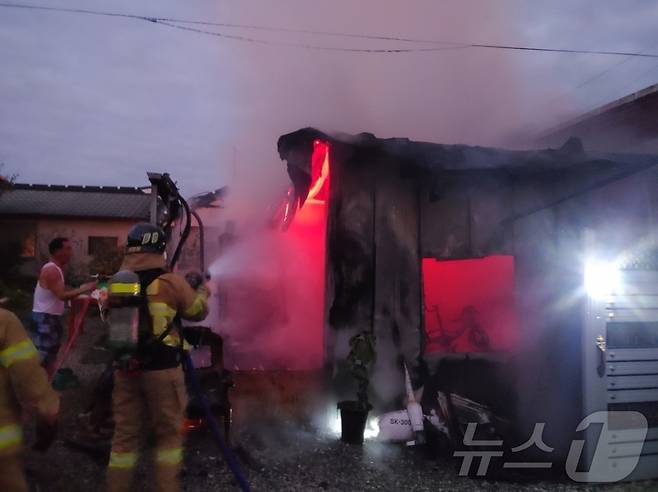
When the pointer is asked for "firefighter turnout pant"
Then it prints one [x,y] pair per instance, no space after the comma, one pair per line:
[11,474]
[159,396]
[23,385]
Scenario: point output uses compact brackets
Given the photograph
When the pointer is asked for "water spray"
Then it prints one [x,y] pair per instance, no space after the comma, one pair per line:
[166,190]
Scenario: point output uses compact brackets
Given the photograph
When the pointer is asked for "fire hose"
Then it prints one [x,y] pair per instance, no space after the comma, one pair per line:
[187,360]
[75,328]
[214,427]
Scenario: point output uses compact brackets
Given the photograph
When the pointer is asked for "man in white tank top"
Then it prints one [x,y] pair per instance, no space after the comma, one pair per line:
[50,295]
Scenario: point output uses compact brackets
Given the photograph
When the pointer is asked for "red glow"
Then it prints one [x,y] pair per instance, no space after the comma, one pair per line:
[306,237]
[190,425]
[286,211]
[319,171]
[274,284]
[469,305]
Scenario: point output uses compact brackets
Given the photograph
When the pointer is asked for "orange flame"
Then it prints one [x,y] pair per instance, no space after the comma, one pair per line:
[319,171]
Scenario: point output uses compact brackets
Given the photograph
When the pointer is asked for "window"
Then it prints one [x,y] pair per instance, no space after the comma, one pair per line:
[469,304]
[29,246]
[22,236]
[101,244]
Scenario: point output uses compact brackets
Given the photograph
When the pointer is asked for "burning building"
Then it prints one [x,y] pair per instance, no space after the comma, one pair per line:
[493,274]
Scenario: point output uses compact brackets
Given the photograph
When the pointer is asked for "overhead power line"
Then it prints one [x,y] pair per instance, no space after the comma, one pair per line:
[304,45]
[596,77]
[73,11]
[376,37]
[445,45]
[606,71]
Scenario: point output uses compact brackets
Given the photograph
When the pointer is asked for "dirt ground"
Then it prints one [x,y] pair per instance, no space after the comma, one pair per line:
[275,453]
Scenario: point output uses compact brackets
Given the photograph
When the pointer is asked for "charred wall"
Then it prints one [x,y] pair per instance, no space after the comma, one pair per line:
[540,220]
[394,202]
[373,269]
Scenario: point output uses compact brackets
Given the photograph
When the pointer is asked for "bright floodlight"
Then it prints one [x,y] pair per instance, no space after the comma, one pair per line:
[372,428]
[602,278]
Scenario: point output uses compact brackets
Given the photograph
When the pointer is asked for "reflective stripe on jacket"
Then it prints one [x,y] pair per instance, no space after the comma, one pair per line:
[168,296]
[23,382]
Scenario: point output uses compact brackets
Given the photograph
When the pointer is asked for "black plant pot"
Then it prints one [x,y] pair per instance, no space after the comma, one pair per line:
[353,417]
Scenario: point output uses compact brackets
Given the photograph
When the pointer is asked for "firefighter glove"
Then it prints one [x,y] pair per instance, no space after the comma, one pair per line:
[195,279]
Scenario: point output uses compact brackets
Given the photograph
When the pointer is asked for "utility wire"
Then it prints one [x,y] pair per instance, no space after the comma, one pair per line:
[304,45]
[596,77]
[644,74]
[74,11]
[604,72]
[308,31]
[587,81]
[176,23]
[639,79]
[559,50]
[169,22]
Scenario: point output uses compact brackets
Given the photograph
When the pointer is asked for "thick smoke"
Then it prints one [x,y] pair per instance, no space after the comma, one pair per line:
[450,96]
[445,96]
[163,99]
[269,287]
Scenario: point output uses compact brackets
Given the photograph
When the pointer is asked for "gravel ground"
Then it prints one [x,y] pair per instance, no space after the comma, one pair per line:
[274,454]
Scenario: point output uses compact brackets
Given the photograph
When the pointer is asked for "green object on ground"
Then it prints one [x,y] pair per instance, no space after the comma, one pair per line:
[361,357]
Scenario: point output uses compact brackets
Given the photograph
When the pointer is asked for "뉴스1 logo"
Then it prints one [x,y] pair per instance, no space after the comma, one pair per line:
[605,466]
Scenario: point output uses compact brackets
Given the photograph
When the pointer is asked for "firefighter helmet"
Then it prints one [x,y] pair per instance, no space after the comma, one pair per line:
[145,238]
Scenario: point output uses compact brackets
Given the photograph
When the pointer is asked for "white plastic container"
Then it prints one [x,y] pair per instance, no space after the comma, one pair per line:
[395,427]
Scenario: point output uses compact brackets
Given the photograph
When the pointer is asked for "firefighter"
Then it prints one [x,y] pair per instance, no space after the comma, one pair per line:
[152,380]
[23,383]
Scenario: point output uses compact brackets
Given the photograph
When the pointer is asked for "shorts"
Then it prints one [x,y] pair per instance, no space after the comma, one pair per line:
[46,333]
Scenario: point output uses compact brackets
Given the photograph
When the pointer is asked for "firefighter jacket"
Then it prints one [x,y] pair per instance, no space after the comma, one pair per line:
[169,298]
[23,383]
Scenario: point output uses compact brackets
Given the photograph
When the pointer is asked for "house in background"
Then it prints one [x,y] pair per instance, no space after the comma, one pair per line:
[629,124]
[95,218]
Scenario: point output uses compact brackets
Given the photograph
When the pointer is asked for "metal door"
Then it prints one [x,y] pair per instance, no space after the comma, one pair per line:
[620,367]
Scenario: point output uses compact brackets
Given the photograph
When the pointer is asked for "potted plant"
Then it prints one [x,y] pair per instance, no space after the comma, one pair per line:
[354,414]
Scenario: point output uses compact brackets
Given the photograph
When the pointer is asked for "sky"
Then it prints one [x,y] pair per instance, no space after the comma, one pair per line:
[101,100]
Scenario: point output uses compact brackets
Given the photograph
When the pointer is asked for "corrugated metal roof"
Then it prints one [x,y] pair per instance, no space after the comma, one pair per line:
[208,199]
[75,201]
[617,126]
[296,148]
